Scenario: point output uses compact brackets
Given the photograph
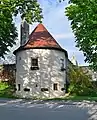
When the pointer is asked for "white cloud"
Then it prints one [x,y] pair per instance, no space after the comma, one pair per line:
[63,35]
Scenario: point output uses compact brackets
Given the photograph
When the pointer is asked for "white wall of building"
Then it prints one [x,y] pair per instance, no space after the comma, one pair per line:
[49,73]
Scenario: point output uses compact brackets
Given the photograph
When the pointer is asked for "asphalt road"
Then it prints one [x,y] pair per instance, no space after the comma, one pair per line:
[27,110]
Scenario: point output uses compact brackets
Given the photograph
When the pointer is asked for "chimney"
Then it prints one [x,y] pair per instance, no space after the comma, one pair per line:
[24,30]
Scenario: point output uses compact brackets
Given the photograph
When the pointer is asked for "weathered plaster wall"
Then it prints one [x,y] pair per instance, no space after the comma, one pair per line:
[49,73]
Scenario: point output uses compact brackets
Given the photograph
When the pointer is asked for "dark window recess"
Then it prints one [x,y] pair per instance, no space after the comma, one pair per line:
[26,89]
[19,87]
[55,86]
[62,69]
[36,85]
[34,61]
[44,89]
[62,89]
[34,68]
[34,64]
[62,65]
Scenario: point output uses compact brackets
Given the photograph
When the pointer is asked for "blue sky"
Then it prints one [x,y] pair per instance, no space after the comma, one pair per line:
[58,25]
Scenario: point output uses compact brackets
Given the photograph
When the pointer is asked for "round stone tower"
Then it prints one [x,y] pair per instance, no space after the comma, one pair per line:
[41,66]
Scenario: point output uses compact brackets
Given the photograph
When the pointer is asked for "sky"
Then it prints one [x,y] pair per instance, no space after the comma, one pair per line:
[58,25]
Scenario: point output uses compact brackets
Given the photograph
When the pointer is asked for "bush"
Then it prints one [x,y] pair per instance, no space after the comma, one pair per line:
[3,86]
[80,82]
[6,90]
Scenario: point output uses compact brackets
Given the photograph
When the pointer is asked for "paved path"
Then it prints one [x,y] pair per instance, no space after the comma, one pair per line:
[36,110]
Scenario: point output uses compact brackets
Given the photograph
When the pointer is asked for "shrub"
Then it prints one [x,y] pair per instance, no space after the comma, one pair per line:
[6,90]
[80,82]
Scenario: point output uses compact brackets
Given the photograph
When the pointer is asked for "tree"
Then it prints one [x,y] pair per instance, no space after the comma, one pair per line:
[28,9]
[80,82]
[83,17]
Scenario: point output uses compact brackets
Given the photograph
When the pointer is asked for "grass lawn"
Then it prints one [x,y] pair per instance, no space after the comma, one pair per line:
[76,98]
[81,98]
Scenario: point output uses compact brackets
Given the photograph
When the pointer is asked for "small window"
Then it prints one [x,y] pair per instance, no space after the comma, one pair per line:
[36,85]
[34,62]
[55,86]
[26,89]
[62,89]
[19,87]
[62,64]
[44,89]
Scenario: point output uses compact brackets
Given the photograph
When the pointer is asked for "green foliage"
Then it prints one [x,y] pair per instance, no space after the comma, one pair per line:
[73,98]
[83,17]
[6,91]
[81,98]
[80,82]
[28,9]
[3,86]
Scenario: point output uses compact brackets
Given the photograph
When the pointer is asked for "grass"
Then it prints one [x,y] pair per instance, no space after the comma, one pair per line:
[75,98]
[81,98]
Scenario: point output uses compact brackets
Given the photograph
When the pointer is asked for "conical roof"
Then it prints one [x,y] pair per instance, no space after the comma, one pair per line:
[40,38]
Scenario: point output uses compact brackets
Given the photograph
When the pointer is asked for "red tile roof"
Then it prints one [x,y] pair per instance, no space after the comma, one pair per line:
[40,37]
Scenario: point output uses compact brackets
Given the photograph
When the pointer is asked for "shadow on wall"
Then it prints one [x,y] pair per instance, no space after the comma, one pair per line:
[49,73]
[49,66]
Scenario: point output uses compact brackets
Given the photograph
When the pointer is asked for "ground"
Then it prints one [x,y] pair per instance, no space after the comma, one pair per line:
[19,109]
